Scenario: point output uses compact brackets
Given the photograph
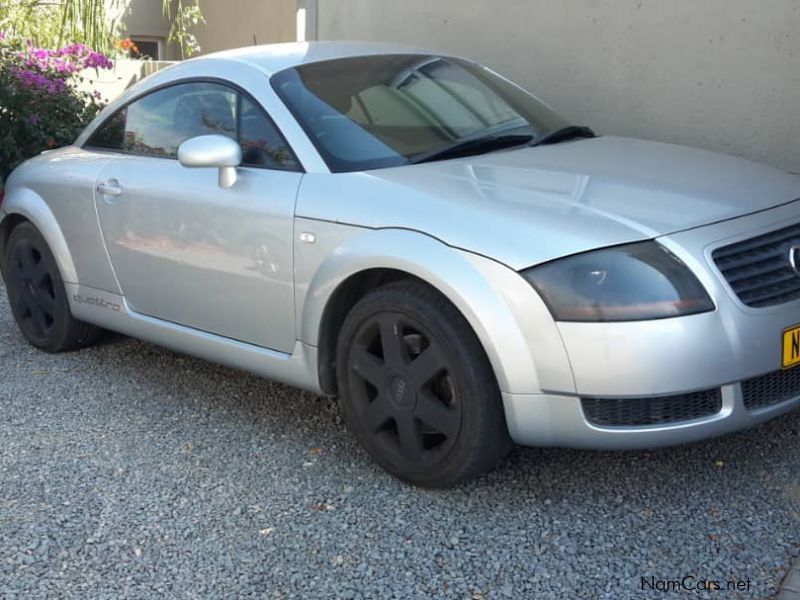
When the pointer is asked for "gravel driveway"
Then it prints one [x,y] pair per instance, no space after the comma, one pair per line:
[128,470]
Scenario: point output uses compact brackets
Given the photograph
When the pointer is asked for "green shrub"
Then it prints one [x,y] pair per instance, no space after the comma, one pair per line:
[41,106]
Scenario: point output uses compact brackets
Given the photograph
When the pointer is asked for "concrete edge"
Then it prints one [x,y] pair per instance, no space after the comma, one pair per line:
[790,588]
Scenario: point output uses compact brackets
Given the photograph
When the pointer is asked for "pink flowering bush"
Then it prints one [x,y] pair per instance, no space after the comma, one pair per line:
[41,106]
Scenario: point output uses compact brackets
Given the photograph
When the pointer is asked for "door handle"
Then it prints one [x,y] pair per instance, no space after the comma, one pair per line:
[109,188]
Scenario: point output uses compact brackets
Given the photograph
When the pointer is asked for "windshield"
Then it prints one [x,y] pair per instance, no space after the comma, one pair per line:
[371,112]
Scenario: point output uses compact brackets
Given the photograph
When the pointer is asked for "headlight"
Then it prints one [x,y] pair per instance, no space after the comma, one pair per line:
[625,283]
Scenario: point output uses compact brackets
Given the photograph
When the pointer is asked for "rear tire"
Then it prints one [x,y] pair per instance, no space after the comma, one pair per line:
[38,297]
[417,389]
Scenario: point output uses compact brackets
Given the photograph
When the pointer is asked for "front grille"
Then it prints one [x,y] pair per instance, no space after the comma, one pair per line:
[770,389]
[758,269]
[620,412]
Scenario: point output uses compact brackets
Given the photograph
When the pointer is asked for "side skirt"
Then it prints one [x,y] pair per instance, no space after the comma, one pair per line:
[112,312]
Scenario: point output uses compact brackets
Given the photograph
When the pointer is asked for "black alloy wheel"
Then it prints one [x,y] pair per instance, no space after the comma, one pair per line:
[34,293]
[37,295]
[417,388]
[404,387]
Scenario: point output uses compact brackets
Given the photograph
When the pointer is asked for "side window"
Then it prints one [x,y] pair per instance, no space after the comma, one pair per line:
[157,124]
[111,134]
[160,122]
[262,144]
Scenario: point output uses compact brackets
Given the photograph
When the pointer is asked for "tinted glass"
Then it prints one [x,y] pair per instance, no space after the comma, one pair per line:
[160,122]
[262,144]
[111,134]
[380,111]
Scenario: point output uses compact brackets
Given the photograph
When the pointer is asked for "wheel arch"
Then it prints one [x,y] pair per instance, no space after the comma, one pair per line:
[8,223]
[471,283]
[342,300]
[24,205]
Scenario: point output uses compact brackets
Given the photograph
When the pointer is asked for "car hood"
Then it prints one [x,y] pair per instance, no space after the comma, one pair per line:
[530,205]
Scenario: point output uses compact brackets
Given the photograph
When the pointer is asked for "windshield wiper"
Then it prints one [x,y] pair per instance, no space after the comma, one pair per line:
[472,147]
[565,133]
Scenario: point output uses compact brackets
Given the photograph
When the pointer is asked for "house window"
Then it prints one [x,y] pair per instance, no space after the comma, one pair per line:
[148,48]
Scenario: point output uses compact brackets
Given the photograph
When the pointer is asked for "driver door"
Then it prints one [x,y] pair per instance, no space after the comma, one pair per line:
[183,249]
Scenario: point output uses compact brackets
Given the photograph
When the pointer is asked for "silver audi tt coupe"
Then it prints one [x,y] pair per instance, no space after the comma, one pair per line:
[420,236]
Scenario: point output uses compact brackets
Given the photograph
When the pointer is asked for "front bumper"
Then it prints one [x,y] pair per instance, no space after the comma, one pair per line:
[669,357]
[552,420]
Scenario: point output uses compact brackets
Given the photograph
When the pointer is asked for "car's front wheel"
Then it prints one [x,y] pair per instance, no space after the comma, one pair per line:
[417,389]
[37,295]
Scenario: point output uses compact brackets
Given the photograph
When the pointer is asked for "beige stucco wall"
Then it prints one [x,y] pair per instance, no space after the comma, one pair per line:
[146,18]
[722,74]
[229,23]
[235,23]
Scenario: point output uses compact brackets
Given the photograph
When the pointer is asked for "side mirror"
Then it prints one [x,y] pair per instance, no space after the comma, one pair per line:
[212,151]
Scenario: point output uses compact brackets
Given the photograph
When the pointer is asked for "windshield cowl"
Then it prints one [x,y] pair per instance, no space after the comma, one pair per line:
[473,147]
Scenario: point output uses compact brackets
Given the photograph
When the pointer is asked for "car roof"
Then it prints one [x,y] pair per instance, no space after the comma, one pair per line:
[272,58]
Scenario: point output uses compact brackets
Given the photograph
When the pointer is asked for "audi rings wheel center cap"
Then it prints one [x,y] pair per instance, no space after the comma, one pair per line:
[31,288]
[402,394]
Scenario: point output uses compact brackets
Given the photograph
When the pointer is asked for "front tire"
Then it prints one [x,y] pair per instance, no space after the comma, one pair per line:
[417,389]
[37,294]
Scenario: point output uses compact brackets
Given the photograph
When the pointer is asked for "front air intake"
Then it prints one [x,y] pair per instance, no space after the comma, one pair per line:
[771,389]
[660,410]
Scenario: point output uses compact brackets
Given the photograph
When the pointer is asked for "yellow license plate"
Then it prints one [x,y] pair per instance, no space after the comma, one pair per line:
[791,346]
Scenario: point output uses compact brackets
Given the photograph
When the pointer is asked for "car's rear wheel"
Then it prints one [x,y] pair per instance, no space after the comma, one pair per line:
[37,295]
[417,389]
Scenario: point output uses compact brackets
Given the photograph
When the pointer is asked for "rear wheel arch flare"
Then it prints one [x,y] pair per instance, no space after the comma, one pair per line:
[27,206]
[8,225]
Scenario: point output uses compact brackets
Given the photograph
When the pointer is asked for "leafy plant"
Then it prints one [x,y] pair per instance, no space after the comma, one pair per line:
[187,16]
[96,23]
[41,106]
[49,23]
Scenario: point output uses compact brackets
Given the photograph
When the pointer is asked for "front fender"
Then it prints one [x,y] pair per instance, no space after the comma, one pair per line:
[508,317]
[26,203]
